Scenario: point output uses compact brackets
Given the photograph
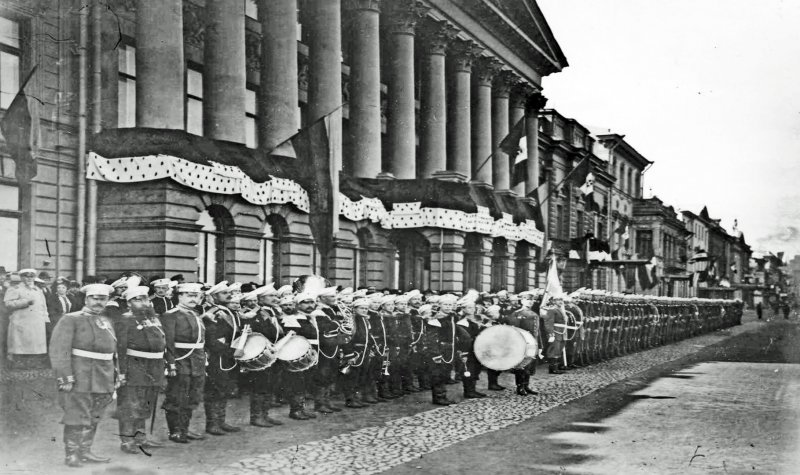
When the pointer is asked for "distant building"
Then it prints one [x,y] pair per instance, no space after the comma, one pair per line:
[661,234]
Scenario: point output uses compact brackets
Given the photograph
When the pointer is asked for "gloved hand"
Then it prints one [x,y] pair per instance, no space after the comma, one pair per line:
[551,339]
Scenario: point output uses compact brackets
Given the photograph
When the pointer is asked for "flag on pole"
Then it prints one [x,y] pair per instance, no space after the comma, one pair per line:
[588,186]
[515,145]
[16,128]
[552,286]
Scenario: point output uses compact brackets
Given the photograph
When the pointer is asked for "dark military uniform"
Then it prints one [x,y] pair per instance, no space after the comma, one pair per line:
[471,365]
[115,308]
[140,346]
[528,320]
[262,382]
[415,363]
[356,354]
[222,327]
[438,352]
[555,325]
[380,364]
[185,339]
[398,334]
[82,349]
[325,374]
[298,383]
[161,304]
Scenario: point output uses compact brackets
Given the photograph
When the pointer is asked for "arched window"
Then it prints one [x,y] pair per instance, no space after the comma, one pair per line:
[414,252]
[473,256]
[269,251]
[215,223]
[499,263]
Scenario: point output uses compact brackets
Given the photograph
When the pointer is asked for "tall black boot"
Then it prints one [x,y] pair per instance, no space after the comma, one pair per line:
[185,421]
[469,389]
[439,393]
[127,437]
[296,408]
[140,429]
[328,391]
[212,419]
[257,410]
[526,384]
[174,427]
[493,385]
[265,406]
[221,409]
[87,439]
[554,366]
[72,446]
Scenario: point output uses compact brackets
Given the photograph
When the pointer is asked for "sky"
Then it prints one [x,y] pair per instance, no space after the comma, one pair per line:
[707,89]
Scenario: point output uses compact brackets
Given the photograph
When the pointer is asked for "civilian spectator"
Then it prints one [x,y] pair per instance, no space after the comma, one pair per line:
[59,303]
[27,339]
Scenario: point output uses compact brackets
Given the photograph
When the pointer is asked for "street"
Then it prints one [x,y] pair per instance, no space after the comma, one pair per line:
[721,403]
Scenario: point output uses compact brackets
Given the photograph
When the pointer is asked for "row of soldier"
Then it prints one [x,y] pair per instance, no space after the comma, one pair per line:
[129,340]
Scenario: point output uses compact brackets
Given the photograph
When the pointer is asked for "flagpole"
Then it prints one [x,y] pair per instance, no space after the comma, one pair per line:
[550,193]
[302,129]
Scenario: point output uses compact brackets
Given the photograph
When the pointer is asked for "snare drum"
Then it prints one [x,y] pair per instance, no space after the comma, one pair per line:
[259,353]
[296,353]
[504,347]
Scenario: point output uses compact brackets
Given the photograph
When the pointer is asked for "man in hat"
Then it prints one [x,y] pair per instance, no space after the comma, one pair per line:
[222,327]
[261,383]
[161,301]
[438,347]
[526,319]
[400,340]
[555,322]
[140,354]
[27,321]
[117,305]
[82,353]
[328,318]
[356,356]
[186,361]
[472,324]
[298,383]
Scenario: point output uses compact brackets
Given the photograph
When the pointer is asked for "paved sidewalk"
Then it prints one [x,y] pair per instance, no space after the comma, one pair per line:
[379,448]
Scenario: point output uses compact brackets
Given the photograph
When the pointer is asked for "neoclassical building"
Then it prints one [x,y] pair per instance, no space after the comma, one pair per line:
[161,133]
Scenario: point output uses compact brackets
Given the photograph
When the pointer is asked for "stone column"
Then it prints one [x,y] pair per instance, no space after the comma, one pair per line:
[224,74]
[433,140]
[324,60]
[501,90]
[160,66]
[459,132]
[534,103]
[483,71]
[365,88]
[519,97]
[401,126]
[278,95]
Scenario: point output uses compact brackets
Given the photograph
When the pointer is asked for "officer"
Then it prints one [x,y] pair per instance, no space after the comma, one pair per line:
[140,349]
[222,327]
[298,383]
[356,356]
[186,360]
[473,325]
[82,350]
[161,301]
[327,318]
[555,322]
[526,319]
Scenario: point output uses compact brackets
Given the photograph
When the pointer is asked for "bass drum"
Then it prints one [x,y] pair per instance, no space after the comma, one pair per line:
[504,347]
[259,354]
[297,353]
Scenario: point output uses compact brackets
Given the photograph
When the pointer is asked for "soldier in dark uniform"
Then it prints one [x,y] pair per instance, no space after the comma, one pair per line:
[328,319]
[356,356]
[161,302]
[555,326]
[439,348]
[492,312]
[82,350]
[186,360]
[472,324]
[526,319]
[222,327]
[400,337]
[140,349]
[298,383]
[265,322]
[415,366]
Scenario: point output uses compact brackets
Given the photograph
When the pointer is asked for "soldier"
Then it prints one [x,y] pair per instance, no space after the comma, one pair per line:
[117,305]
[399,336]
[298,383]
[473,325]
[140,349]
[356,356]
[328,319]
[417,329]
[526,319]
[186,361]
[262,382]
[161,301]
[438,347]
[492,312]
[222,327]
[554,325]
[82,351]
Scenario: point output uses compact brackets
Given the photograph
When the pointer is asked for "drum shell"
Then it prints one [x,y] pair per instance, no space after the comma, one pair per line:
[259,353]
[295,361]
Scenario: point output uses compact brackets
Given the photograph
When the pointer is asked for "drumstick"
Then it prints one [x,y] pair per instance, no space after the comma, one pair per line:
[282,342]
[243,338]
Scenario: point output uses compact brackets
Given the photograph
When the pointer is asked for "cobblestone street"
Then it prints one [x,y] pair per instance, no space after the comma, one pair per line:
[371,440]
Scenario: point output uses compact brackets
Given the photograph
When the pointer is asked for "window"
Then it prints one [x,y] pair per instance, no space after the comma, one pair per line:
[499,264]
[126,97]
[251,119]
[621,177]
[579,233]
[644,244]
[473,258]
[207,249]
[601,230]
[559,221]
[522,267]
[630,181]
[269,251]
[9,61]
[362,258]
[251,9]
[9,226]
[194,101]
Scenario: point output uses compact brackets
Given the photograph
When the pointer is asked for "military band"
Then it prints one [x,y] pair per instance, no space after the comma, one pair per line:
[200,343]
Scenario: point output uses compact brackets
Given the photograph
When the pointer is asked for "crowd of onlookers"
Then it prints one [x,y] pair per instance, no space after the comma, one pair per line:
[31,303]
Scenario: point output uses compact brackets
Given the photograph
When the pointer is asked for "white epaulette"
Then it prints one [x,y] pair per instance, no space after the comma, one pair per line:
[112,303]
[289,321]
[463,322]
[434,322]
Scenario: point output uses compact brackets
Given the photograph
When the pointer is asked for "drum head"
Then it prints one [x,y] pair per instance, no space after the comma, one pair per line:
[255,345]
[294,348]
[500,347]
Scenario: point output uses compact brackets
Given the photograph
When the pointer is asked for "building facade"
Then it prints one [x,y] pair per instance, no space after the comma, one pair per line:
[662,235]
[410,90]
